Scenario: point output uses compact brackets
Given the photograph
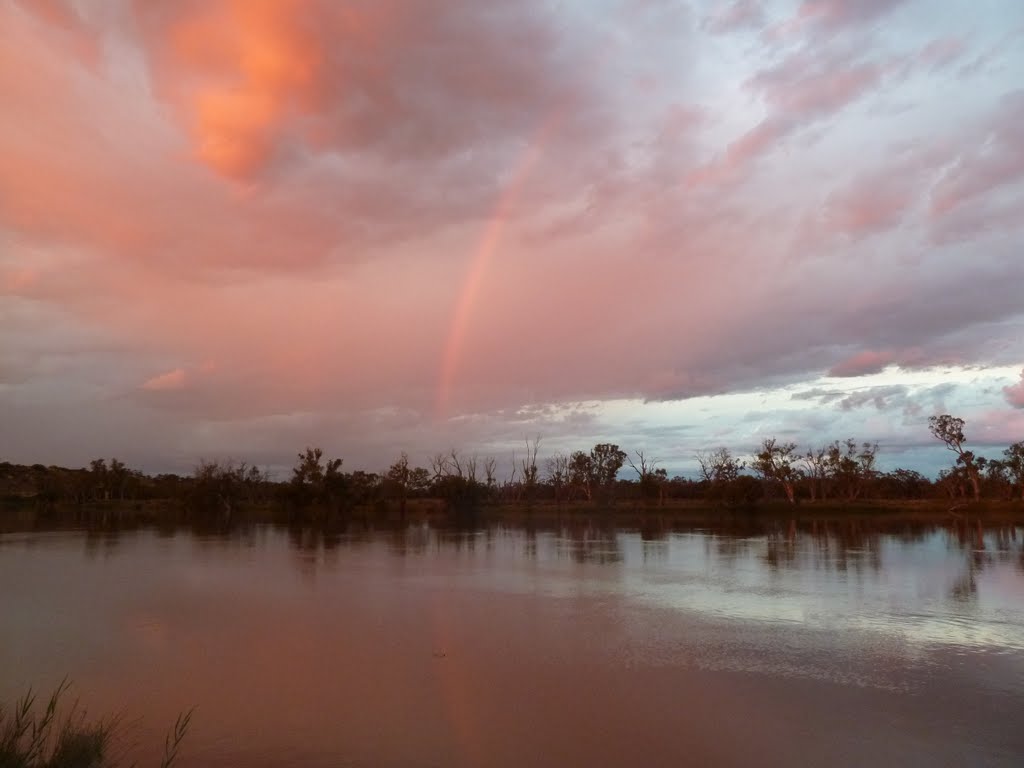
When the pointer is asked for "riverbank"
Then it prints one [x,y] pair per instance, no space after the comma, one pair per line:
[171,515]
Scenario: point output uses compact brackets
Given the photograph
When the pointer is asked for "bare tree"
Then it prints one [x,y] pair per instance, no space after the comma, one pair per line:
[439,466]
[719,465]
[455,464]
[558,475]
[644,465]
[528,466]
[512,486]
[651,478]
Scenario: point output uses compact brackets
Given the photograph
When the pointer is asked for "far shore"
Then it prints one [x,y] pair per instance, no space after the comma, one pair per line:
[22,514]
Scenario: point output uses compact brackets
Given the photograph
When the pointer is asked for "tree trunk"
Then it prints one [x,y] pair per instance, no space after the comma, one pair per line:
[790,495]
[975,486]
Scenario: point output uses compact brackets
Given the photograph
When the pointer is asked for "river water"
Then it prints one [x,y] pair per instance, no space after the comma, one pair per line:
[580,645]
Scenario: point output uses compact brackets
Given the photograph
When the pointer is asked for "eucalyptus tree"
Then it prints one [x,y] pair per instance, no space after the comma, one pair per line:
[217,488]
[606,461]
[1014,464]
[399,481]
[101,478]
[950,431]
[318,481]
[815,469]
[581,474]
[775,464]
[850,466]
[724,480]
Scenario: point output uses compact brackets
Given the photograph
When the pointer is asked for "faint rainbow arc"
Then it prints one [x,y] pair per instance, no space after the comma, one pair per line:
[481,260]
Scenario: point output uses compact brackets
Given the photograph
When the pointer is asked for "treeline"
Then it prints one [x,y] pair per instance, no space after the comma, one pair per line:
[319,488]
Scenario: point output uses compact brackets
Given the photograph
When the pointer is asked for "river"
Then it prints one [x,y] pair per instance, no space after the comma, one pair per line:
[828,644]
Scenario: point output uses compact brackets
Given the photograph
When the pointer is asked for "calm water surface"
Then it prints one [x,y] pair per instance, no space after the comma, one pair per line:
[511,647]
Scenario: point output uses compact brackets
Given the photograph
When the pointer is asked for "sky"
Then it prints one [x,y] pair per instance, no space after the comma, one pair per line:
[235,228]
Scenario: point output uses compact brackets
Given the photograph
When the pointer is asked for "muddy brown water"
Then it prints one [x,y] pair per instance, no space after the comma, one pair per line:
[508,647]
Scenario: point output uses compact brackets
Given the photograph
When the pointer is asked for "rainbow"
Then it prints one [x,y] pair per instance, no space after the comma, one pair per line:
[481,260]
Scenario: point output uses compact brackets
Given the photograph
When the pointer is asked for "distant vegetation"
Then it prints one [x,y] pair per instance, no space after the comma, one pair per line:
[842,472]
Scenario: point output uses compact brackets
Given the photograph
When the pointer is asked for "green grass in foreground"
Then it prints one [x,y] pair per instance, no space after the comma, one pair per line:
[49,739]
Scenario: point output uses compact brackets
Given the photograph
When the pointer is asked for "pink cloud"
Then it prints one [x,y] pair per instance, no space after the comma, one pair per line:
[298,190]
[872,203]
[322,140]
[1015,393]
[872,361]
[965,176]
[734,163]
[977,220]
[994,161]
[815,82]
[809,85]
[942,52]
[251,67]
[830,18]
[839,14]
[175,379]
[863,363]
[72,28]
[260,82]
[996,427]
[735,16]
[17,280]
